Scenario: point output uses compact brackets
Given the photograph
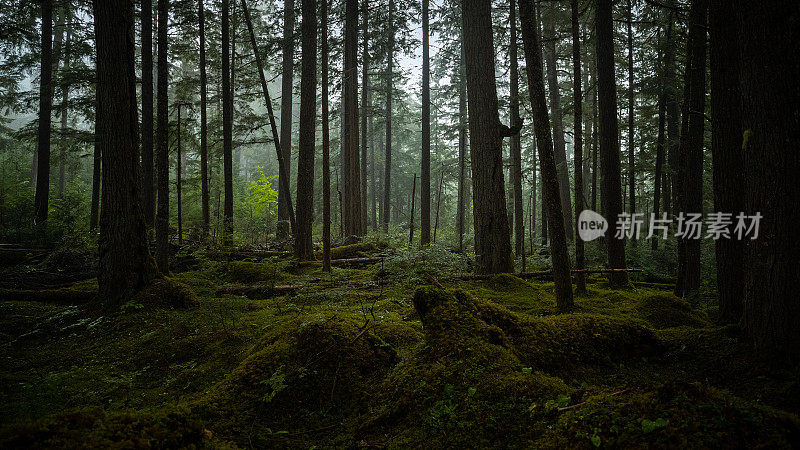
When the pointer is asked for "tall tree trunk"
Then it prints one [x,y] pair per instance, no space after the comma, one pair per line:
[326,145]
[515,144]
[577,129]
[227,127]
[287,82]
[304,248]
[693,176]
[64,55]
[462,147]
[41,200]
[673,132]
[532,211]
[551,58]
[595,133]
[425,173]
[492,240]
[771,123]
[365,110]
[660,180]
[726,151]
[631,169]
[544,143]
[352,176]
[203,121]
[387,175]
[373,175]
[609,137]
[125,262]
[94,216]
[162,145]
[148,186]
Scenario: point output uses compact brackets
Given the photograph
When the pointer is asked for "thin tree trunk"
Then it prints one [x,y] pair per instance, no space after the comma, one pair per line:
[148,185]
[673,133]
[326,145]
[203,122]
[125,262]
[287,82]
[726,151]
[533,195]
[515,144]
[492,240]
[660,150]
[462,148]
[162,149]
[411,209]
[595,133]
[387,176]
[609,137]
[65,66]
[304,248]
[227,127]
[178,180]
[551,58]
[96,171]
[41,200]
[544,143]
[577,131]
[373,193]
[631,169]
[365,111]
[438,204]
[425,174]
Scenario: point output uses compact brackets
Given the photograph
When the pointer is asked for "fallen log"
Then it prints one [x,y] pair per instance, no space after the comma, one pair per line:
[227,255]
[544,273]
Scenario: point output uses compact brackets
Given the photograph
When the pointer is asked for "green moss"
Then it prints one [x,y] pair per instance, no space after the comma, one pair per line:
[357,250]
[667,311]
[165,292]
[251,272]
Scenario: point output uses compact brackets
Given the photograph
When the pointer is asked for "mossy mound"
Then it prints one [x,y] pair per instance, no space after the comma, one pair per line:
[507,282]
[668,311]
[674,415]
[482,367]
[249,272]
[303,376]
[95,428]
[166,292]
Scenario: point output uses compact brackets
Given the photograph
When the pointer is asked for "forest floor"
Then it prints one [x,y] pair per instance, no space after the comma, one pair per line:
[395,352]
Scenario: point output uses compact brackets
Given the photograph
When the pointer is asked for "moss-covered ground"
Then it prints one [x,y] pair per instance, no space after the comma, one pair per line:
[391,355]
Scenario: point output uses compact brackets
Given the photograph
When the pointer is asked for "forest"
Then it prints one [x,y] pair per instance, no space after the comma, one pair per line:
[399,224]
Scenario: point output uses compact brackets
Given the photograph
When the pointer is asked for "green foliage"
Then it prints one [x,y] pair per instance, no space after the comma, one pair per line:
[262,197]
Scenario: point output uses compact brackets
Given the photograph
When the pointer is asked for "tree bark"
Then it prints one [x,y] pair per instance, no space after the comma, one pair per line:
[544,144]
[577,131]
[631,135]
[148,186]
[94,216]
[769,71]
[41,200]
[326,145]
[125,262]
[203,121]
[287,83]
[162,149]
[366,113]
[304,248]
[609,138]
[462,147]
[551,58]
[352,173]
[726,151]
[492,240]
[515,144]
[227,127]
[425,172]
[387,176]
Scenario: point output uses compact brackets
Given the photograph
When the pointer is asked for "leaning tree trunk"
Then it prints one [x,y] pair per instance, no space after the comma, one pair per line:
[610,184]
[287,82]
[559,144]
[352,172]
[304,248]
[162,149]
[769,70]
[577,131]
[492,240]
[148,187]
[544,143]
[41,200]
[125,262]
[726,151]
